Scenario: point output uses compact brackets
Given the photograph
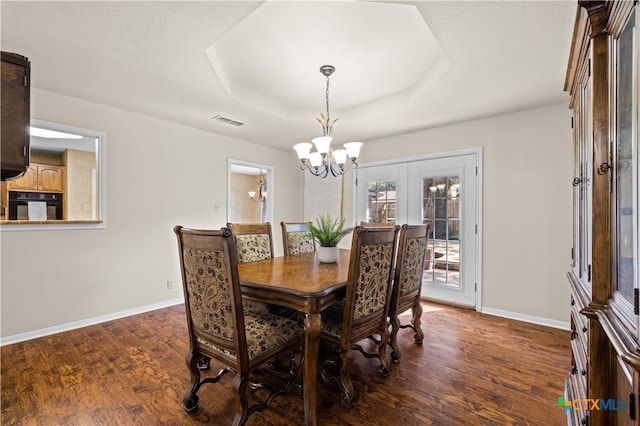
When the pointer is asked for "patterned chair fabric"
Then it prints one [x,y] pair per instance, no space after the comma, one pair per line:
[253,243]
[219,326]
[296,238]
[299,243]
[253,247]
[365,309]
[412,247]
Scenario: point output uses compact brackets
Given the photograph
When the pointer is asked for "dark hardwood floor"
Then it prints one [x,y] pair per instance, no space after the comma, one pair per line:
[472,369]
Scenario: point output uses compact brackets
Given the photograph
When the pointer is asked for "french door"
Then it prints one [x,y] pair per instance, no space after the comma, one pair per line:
[442,192]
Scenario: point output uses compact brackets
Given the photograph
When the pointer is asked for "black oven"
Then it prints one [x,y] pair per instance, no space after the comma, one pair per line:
[35,205]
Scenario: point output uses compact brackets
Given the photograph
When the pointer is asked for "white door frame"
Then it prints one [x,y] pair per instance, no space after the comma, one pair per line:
[478,152]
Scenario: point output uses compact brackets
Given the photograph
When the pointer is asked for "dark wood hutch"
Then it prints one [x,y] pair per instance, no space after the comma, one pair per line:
[603,81]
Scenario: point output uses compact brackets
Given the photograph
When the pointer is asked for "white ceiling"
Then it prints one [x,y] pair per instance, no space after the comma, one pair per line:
[400,67]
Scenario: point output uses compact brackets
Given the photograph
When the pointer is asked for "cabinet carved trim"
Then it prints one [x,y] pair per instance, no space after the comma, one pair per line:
[622,341]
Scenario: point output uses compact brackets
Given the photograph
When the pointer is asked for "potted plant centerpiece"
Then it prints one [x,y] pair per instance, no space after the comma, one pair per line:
[328,233]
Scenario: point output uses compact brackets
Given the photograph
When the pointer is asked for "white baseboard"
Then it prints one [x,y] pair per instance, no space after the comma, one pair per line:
[86,322]
[563,325]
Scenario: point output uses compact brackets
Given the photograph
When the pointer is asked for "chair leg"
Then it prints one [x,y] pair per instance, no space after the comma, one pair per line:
[395,348]
[348,392]
[190,399]
[382,353]
[194,360]
[415,320]
[240,383]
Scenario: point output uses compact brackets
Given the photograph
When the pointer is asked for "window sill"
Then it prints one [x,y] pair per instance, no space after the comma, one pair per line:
[49,225]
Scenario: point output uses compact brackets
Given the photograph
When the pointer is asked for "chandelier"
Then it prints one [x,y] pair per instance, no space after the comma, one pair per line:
[325,159]
[262,189]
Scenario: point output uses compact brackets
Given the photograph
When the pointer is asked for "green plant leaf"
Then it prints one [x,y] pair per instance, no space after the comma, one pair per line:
[328,232]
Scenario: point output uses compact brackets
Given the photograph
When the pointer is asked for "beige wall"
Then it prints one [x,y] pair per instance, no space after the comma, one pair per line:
[244,209]
[159,175]
[80,187]
[527,203]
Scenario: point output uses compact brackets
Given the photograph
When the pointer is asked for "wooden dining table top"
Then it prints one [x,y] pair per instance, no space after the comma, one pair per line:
[301,275]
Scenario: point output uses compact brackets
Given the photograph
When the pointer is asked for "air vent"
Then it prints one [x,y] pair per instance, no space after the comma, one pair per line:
[225,120]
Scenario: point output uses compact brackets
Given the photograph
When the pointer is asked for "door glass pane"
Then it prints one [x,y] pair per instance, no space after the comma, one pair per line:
[441,209]
[381,205]
[585,187]
[626,170]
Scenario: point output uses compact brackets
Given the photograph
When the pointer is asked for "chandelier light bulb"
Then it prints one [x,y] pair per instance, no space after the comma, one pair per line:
[340,155]
[303,149]
[316,159]
[353,149]
[322,143]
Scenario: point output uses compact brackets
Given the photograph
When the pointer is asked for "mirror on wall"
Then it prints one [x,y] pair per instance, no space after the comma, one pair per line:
[64,184]
[250,192]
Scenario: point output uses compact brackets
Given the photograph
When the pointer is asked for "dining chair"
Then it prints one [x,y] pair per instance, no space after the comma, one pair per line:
[407,283]
[219,328]
[253,241]
[366,305]
[296,238]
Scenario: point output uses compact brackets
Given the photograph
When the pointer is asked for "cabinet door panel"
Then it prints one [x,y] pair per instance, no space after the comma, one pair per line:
[50,178]
[28,181]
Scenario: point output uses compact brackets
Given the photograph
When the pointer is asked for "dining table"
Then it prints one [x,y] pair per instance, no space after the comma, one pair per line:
[302,283]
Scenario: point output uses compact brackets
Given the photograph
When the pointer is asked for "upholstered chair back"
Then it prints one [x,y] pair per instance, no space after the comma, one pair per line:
[296,238]
[212,296]
[370,280]
[253,241]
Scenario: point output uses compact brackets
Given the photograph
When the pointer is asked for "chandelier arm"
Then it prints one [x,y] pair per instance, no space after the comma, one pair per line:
[335,170]
[320,171]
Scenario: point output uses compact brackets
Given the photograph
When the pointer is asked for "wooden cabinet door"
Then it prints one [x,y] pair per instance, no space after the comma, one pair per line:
[15,115]
[50,178]
[625,395]
[28,181]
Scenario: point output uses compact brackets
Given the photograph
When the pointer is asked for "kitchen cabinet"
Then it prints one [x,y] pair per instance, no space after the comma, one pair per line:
[40,177]
[14,150]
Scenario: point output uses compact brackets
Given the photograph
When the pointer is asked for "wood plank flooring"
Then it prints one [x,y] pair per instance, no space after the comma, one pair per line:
[472,369]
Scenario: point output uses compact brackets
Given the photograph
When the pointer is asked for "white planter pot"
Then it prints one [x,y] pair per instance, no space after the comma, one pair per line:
[328,254]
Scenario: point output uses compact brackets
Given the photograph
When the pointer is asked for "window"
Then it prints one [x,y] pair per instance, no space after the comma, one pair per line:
[382,202]
[64,188]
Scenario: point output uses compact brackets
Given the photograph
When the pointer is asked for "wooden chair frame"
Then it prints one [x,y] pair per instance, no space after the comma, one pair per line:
[353,329]
[412,245]
[216,249]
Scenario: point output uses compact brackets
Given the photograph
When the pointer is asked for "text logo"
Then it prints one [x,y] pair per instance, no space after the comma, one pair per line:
[591,404]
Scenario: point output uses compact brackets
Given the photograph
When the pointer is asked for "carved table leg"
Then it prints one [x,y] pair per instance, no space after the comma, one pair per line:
[311,347]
